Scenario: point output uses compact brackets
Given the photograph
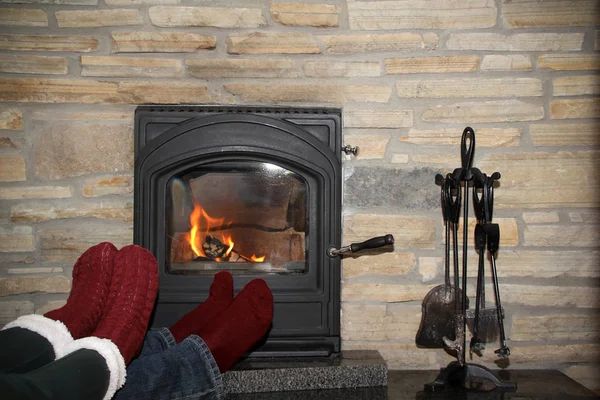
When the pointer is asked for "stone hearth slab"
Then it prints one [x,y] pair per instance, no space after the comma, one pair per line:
[348,370]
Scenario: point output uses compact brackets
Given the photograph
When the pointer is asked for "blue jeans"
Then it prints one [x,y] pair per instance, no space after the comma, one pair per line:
[168,370]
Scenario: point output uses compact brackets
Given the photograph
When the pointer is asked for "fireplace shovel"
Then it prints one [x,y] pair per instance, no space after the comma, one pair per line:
[439,308]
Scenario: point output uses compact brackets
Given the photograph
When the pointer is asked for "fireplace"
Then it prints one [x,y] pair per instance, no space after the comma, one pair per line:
[255,191]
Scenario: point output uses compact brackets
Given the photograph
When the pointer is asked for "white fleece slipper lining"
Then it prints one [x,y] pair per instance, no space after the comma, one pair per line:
[55,331]
[110,352]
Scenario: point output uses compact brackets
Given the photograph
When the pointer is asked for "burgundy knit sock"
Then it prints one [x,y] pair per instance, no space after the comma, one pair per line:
[219,298]
[237,329]
[130,300]
[89,291]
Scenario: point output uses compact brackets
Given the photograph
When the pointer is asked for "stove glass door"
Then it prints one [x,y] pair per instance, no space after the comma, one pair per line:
[247,217]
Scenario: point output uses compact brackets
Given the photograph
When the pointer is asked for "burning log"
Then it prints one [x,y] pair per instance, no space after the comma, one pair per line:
[215,250]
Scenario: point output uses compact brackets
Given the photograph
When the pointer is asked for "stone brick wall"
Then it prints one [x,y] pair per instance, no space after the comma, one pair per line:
[410,75]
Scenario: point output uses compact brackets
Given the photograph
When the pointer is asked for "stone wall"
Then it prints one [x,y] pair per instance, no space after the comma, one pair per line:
[409,75]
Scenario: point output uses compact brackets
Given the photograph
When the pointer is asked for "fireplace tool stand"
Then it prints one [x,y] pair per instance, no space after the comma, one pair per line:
[460,374]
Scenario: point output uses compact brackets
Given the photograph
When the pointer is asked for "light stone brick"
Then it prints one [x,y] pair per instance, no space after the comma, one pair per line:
[42,212]
[161,42]
[341,69]
[486,137]
[16,239]
[11,310]
[73,43]
[396,264]
[17,258]
[540,217]
[575,108]
[569,62]
[385,42]
[217,17]
[597,41]
[429,267]
[379,322]
[272,43]
[130,67]
[544,179]
[570,236]
[33,270]
[501,62]
[18,64]
[370,146]
[576,85]
[51,305]
[548,296]
[516,42]
[89,92]
[12,168]
[400,159]
[72,149]
[58,2]
[444,158]
[547,263]
[398,355]
[139,2]
[549,354]
[556,134]
[62,114]
[587,375]
[11,118]
[469,87]
[34,284]
[98,18]
[23,17]
[7,143]
[66,242]
[487,111]
[555,327]
[383,292]
[585,216]
[549,13]
[35,192]
[428,65]
[241,68]
[443,14]
[378,118]
[300,14]
[108,185]
[408,231]
[56,90]
[309,93]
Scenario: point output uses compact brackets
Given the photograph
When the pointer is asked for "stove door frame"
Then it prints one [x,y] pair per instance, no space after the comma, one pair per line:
[307,306]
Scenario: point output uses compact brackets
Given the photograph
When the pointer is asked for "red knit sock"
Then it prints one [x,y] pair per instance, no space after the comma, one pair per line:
[237,329]
[130,300]
[89,291]
[219,298]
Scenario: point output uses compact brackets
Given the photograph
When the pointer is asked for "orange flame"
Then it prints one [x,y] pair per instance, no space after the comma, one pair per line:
[201,223]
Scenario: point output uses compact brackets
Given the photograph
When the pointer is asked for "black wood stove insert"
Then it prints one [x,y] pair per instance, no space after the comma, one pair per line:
[255,191]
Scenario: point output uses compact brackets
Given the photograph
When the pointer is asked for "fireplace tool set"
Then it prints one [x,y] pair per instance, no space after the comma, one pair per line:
[446,313]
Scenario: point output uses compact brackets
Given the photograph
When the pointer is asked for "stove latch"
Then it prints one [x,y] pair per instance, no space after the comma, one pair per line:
[372,243]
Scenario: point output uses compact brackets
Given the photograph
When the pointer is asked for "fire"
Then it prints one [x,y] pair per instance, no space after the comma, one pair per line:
[201,224]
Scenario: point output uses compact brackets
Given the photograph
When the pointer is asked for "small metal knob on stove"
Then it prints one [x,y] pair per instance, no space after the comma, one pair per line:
[350,150]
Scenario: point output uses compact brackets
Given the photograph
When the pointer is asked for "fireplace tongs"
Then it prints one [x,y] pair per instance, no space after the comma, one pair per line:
[372,243]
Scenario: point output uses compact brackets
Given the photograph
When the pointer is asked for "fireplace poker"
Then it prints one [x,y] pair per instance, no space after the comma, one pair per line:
[372,243]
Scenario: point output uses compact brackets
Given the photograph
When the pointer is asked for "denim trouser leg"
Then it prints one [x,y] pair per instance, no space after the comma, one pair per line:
[168,370]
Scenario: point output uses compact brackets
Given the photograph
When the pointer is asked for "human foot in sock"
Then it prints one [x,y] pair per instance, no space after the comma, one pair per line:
[89,292]
[237,329]
[130,300]
[219,298]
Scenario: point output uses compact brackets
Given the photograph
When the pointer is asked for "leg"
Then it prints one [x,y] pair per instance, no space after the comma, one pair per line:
[156,342]
[186,370]
[30,342]
[82,374]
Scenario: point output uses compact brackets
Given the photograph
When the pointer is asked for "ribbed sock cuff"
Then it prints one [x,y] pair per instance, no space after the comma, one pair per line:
[111,354]
[54,331]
